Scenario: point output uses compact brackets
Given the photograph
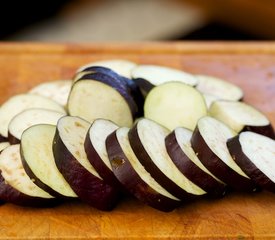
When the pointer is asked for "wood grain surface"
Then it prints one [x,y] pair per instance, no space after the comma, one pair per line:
[236,216]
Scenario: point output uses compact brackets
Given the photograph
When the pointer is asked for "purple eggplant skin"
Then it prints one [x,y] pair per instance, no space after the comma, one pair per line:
[267,130]
[132,181]
[3,139]
[37,181]
[88,188]
[98,164]
[132,86]
[235,149]
[117,84]
[11,195]
[144,85]
[190,170]
[12,139]
[216,166]
[155,172]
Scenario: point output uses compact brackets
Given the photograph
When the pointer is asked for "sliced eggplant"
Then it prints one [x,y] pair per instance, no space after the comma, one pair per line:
[15,185]
[72,162]
[120,66]
[95,97]
[133,176]
[28,118]
[130,85]
[21,102]
[147,140]
[3,145]
[95,149]
[255,155]
[219,88]
[119,83]
[148,76]
[174,105]
[209,99]
[179,148]
[241,116]
[209,143]
[38,160]
[56,90]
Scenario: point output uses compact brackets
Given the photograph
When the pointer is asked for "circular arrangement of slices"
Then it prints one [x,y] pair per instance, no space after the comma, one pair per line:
[162,135]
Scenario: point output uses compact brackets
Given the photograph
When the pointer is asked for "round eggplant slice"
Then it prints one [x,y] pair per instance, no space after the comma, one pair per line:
[72,162]
[179,148]
[241,117]
[38,161]
[56,90]
[133,176]
[157,75]
[95,149]
[219,88]
[255,155]
[209,143]
[131,86]
[30,117]
[21,102]
[98,95]
[147,140]
[15,185]
[174,105]
[120,66]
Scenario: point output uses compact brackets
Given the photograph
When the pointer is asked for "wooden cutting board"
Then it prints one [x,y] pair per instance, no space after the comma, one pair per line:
[236,216]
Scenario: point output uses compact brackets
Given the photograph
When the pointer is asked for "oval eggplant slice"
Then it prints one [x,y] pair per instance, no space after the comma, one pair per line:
[18,103]
[38,160]
[28,118]
[153,75]
[95,149]
[255,155]
[131,86]
[179,148]
[15,185]
[56,90]
[72,162]
[133,176]
[147,140]
[93,98]
[209,143]
[241,117]
[219,88]
[174,105]
[120,66]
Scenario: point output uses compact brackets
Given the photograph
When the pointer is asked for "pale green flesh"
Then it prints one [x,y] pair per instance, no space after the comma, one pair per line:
[14,174]
[36,144]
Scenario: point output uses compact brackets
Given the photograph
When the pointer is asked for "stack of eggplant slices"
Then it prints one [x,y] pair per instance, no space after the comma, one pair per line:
[159,134]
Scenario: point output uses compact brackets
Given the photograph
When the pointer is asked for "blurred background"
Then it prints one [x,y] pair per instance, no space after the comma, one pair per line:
[136,20]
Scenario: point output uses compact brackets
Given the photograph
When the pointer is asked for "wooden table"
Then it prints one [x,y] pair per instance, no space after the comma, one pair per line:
[237,216]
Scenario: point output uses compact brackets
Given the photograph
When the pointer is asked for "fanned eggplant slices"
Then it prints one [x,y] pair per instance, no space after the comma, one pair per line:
[162,135]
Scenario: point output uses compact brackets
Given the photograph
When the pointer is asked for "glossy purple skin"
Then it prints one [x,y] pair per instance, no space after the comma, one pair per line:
[144,85]
[12,195]
[132,182]
[89,188]
[235,149]
[155,172]
[36,179]
[99,165]
[263,130]
[217,167]
[190,170]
